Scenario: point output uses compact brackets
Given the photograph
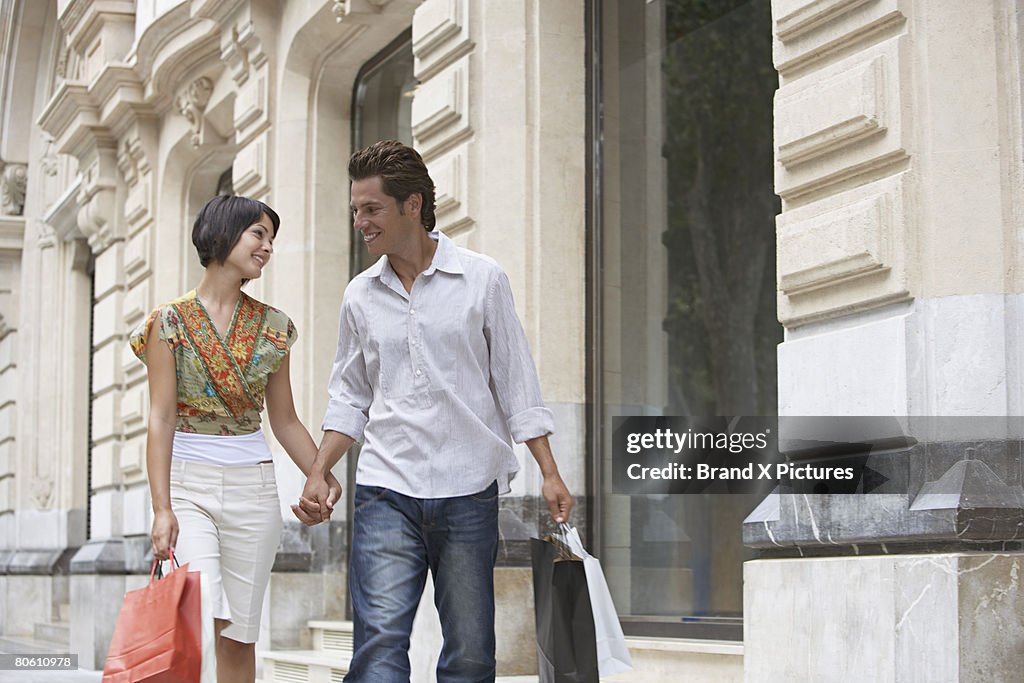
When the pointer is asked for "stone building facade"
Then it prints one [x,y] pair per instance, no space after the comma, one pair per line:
[791,207]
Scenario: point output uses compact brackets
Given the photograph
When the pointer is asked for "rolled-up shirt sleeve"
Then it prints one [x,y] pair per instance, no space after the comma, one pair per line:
[349,388]
[513,374]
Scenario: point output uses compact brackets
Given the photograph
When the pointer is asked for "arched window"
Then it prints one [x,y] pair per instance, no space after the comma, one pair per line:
[382,109]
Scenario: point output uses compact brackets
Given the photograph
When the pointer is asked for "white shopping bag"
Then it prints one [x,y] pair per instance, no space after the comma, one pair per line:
[612,653]
[208,669]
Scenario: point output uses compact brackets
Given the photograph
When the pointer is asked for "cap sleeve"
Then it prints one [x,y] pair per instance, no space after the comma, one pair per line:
[165,320]
[282,334]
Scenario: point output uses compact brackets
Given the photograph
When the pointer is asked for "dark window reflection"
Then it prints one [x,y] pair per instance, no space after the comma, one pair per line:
[688,280]
[383,109]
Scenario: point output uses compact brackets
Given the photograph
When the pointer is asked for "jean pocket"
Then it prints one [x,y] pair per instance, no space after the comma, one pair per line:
[488,496]
[367,495]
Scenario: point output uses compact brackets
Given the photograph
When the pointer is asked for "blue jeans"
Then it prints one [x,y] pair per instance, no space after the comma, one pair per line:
[395,540]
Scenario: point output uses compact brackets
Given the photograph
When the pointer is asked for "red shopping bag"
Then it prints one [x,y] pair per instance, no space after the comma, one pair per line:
[158,633]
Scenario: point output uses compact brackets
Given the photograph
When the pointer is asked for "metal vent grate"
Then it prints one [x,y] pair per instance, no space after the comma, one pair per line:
[287,672]
[337,641]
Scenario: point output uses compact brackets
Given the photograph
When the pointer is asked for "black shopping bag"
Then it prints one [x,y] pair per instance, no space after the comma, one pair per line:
[566,638]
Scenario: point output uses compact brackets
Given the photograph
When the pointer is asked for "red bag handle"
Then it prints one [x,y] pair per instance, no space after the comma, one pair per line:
[158,566]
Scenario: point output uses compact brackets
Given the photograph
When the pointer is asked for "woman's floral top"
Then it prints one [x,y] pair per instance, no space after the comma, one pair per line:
[221,380]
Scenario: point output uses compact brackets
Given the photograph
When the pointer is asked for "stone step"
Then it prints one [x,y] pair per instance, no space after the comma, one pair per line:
[332,636]
[58,633]
[27,645]
[303,666]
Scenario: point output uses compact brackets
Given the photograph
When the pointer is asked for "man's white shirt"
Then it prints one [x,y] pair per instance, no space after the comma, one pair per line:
[436,382]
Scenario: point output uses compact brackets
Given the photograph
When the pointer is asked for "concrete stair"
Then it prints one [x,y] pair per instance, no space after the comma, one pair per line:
[58,633]
[49,638]
[327,662]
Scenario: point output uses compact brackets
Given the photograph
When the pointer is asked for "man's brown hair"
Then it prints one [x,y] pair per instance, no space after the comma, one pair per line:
[402,173]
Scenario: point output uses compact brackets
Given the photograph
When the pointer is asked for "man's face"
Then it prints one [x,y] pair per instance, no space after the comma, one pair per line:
[385,226]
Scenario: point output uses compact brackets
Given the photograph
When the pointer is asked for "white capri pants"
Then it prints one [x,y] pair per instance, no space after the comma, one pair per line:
[229,527]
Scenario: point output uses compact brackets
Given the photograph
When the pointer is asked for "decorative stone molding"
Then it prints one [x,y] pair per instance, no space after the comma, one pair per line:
[46,236]
[841,122]
[101,33]
[81,119]
[96,196]
[344,8]
[48,160]
[134,152]
[128,157]
[811,31]
[250,168]
[12,235]
[832,115]
[440,110]
[13,182]
[440,35]
[243,52]
[42,492]
[192,103]
[847,121]
[843,254]
[93,220]
[450,175]
[842,244]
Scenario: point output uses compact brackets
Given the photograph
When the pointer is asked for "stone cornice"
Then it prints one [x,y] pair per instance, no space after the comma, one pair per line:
[77,113]
[12,234]
[83,18]
[120,94]
[218,10]
[175,44]
[62,214]
[70,117]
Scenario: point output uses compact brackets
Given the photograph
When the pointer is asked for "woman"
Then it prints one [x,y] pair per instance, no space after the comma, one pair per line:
[212,357]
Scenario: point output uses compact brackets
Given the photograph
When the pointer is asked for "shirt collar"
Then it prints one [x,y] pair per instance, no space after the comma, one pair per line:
[446,259]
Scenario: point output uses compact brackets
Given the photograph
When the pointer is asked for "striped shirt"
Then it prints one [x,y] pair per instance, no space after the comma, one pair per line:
[437,382]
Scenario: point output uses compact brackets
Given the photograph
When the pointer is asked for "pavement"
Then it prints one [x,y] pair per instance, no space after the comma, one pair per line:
[83,676]
[79,676]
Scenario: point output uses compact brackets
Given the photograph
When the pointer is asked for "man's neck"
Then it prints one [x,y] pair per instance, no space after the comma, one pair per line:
[414,259]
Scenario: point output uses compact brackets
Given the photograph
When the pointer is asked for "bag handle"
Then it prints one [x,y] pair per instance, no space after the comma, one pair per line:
[158,566]
[558,540]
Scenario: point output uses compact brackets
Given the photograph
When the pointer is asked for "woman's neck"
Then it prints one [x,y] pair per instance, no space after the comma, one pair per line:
[219,288]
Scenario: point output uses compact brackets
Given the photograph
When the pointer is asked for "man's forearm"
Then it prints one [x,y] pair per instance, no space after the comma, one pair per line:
[540,448]
[332,447]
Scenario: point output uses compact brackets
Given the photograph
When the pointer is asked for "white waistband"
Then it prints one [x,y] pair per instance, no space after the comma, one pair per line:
[245,449]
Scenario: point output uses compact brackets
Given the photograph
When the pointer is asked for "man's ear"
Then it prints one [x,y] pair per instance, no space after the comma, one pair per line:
[414,203]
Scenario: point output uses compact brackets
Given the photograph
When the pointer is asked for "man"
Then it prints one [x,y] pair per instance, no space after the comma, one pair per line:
[434,376]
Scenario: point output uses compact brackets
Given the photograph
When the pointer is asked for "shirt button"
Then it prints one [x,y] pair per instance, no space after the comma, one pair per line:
[418,373]
[412,311]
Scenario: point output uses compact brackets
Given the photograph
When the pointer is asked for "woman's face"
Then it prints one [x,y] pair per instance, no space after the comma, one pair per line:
[253,249]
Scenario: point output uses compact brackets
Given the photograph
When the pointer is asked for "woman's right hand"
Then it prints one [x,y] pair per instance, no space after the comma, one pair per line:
[165,533]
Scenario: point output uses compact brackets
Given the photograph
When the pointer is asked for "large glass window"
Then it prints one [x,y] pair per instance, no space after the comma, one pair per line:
[685,283]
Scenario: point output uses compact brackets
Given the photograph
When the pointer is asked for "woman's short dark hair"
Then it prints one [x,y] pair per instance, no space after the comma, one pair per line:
[221,223]
[402,173]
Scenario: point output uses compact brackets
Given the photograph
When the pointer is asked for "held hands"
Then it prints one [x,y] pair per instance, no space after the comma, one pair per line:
[164,535]
[557,495]
[317,500]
